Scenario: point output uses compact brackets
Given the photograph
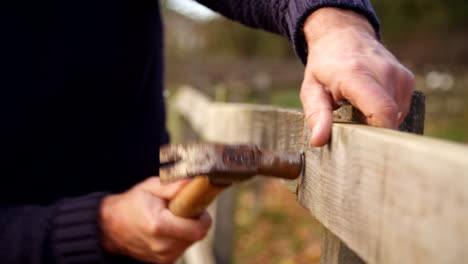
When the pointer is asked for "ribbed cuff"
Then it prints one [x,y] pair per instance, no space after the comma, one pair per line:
[75,235]
[299,10]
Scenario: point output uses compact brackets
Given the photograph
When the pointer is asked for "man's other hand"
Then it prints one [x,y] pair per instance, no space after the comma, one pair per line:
[138,224]
[346,62]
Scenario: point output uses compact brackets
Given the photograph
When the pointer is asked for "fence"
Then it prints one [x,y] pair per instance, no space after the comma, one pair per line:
[382,196]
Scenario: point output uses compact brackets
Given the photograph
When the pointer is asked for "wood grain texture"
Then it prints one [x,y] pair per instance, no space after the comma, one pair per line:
[392,197]
[333,251]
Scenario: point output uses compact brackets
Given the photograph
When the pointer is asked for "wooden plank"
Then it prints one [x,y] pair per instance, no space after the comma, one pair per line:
[394,198]
[390,196]
[334,251]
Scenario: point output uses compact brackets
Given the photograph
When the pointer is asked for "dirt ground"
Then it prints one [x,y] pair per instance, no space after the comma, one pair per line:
[271,227]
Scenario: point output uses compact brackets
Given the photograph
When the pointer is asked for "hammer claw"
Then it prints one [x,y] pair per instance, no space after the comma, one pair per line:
[168,154]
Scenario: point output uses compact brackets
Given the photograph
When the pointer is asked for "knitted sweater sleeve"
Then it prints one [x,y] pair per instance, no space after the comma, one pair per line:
[62,233]
[286,17]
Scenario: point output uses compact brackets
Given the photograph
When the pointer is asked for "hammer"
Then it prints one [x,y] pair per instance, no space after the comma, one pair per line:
[215,167]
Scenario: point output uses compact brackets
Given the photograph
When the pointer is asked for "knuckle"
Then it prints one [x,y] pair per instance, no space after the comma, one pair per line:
[195,235]
[410,76]
[406,82]
[157,248]
[389,69]
[307,97]
[199,235]
[344,87]
[353,64]
[308,91]
[410,79]
[208,222]
[312,114]
[155,228]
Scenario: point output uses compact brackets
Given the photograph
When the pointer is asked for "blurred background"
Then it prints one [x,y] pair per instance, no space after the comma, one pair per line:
[236,64]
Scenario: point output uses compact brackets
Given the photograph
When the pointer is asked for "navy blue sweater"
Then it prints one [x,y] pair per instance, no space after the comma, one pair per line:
[82,111]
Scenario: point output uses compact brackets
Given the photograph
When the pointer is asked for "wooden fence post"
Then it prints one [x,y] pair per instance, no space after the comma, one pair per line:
[225,208]
[223,237]
[201,252]
[216,248]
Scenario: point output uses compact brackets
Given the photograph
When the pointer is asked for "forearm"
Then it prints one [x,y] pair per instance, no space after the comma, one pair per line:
[328,20]
[287,17]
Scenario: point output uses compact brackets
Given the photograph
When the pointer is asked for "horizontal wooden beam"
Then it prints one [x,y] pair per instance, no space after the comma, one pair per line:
[392,197]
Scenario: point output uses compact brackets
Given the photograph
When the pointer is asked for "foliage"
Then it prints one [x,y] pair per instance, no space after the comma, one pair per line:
[406,16]
[233,38]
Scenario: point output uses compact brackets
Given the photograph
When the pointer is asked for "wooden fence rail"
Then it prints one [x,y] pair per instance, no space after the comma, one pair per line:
[391,197]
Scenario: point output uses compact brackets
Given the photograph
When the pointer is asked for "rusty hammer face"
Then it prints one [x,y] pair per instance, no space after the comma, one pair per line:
[215,167]
[226,164]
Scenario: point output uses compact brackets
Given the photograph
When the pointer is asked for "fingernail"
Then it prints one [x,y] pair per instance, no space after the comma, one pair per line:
[315,131]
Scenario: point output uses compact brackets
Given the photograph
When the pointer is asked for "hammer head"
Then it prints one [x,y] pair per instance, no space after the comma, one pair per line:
[225,164]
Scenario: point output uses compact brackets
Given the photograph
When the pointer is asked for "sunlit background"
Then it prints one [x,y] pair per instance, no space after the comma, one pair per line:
[234,63]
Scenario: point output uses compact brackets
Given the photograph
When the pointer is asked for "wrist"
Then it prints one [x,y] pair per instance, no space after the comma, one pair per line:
[106,224]
[329,20]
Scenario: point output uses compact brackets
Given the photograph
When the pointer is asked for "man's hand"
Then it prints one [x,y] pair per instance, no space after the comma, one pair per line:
[347,62]
[138,224]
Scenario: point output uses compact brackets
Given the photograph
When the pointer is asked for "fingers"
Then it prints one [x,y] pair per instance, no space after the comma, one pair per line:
[406,86]
[167,250]
[169,225]
[317,104]
[378,107]
[138,224]
[166,191]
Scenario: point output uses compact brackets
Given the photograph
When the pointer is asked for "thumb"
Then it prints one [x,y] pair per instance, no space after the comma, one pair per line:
[164,191]
[317,104]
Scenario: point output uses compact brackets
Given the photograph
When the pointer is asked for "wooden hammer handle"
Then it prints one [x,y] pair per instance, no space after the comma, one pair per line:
[193,200]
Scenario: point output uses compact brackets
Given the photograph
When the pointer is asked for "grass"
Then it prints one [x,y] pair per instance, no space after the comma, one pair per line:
[453,131]
[286,98]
